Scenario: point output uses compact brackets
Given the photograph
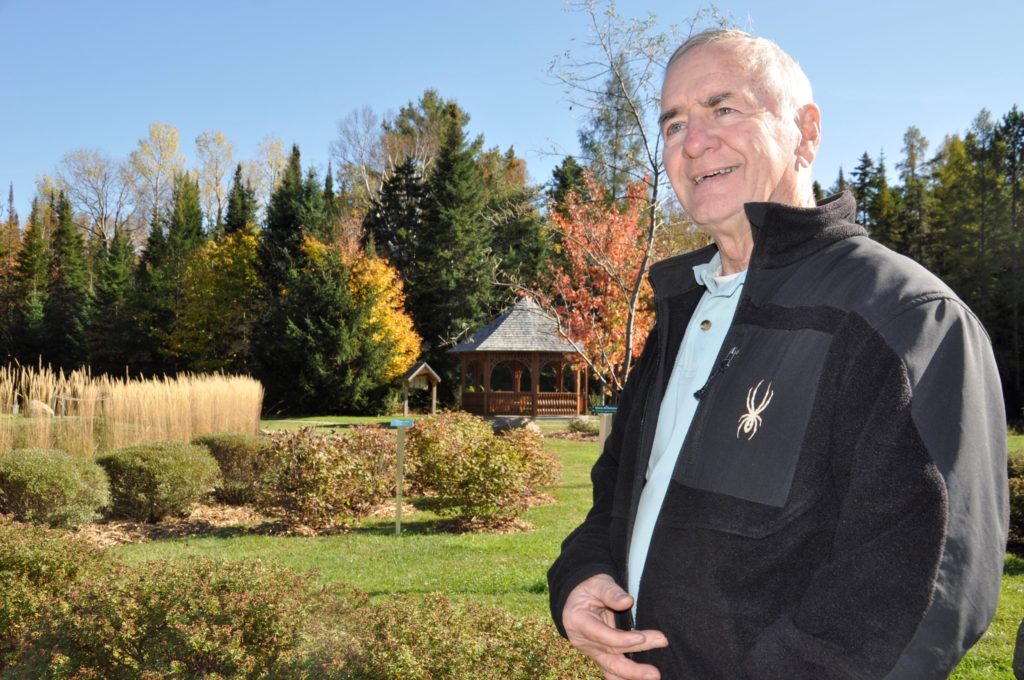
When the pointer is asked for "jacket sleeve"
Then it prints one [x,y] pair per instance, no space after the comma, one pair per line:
[586,551]
[919,461]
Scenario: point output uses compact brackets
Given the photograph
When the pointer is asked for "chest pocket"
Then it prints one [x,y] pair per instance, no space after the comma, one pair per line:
[749,434]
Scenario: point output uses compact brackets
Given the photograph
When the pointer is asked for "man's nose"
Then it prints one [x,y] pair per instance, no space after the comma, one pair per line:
[699,138]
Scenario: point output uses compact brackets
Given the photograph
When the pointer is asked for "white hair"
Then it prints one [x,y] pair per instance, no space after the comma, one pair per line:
[779,73]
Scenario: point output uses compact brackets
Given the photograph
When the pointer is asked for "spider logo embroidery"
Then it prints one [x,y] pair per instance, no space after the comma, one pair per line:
[751,420]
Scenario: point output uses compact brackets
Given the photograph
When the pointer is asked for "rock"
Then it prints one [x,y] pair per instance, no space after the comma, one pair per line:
[37,409]
[503,423]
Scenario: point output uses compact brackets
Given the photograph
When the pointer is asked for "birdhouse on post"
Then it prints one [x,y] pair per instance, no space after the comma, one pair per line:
[420,377]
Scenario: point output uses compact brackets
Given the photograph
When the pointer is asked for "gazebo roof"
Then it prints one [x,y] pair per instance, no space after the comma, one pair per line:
[524,328]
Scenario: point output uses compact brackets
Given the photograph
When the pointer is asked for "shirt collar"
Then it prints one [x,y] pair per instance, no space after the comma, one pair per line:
[709,276]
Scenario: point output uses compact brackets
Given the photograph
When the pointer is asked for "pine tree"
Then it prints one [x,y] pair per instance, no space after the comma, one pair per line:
[10,229]
[242,207]
[819,193]
[841,184]
[281,239]
[862,186]
[66,310]
[913,172]
[567,177]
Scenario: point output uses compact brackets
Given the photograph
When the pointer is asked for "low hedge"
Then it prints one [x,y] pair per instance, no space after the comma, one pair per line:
[172,619]
[47,486]
[37,567]
[475,475]
[158,479]
[327,480]
[244,461]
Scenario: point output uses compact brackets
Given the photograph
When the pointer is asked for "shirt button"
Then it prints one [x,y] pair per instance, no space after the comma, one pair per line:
[705,325]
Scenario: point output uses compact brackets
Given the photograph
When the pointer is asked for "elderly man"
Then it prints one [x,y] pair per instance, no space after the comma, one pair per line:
[807,473]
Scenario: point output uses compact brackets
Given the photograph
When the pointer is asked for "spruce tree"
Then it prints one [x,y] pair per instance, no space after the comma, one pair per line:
[281,238]
[242,206]
[451,287]
[112,328]
[66,310]
[395,218]
[30,274]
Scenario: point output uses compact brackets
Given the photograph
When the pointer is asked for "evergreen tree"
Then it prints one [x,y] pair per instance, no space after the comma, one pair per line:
[395,218]
[281,239]
[567,177]
[10,229]
[66,310]
[611,142]
[30,284]
[1011,139]
[913,217]
[863,186]
[841,184]
[451,289]
[242,206]
[819,193]
[880,218]
[112,329]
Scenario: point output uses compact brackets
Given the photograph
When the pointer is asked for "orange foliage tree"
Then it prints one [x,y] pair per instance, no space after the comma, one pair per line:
[375,282]
[597,286]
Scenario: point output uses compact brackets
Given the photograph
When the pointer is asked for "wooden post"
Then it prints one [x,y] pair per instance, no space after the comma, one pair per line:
[534,383]
[433,397]
[405,398]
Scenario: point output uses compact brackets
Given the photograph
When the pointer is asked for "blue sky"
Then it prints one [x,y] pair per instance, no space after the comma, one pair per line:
[95,74]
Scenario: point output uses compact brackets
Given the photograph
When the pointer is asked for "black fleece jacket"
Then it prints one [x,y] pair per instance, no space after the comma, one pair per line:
[851,527]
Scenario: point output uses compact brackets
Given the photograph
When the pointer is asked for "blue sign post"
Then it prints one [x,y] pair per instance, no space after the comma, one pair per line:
[401,425]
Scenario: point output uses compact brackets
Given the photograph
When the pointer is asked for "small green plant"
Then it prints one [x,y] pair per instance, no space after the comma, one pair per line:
[244,461]
[151,481]
[325,479]
[198,618]
[47,486]
[37,566]
[476,476]
[584,425]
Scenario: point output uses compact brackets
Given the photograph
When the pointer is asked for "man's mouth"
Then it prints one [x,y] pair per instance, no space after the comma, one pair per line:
[715,173]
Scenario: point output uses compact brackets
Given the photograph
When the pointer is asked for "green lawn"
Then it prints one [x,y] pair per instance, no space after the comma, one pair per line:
[502,569]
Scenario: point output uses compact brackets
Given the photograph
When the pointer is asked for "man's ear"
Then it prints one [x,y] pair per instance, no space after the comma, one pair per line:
[808,120]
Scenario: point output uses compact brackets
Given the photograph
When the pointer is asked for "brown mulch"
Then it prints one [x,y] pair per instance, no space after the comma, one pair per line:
[212,519]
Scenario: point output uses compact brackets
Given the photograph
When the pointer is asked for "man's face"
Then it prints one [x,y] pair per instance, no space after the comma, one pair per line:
[726,141]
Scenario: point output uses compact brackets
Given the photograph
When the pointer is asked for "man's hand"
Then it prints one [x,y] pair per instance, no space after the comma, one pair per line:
[589,621]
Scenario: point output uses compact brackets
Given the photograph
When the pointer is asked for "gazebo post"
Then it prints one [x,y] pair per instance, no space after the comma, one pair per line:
[534,383]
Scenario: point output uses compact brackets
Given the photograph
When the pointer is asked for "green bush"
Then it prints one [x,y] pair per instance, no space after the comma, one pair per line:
[436,639]
[173,619]
[475,475]
[244,461]
[151,481]
[326,479]
[47,486]
[37,566]
[585,425]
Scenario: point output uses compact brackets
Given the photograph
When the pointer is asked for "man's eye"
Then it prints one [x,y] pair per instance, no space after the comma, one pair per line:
[673,128]
[724,110]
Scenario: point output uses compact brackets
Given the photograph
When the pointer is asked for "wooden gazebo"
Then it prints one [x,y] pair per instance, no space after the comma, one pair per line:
[519,365]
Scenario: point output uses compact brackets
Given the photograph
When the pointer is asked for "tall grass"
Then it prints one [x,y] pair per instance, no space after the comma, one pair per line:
[94,414]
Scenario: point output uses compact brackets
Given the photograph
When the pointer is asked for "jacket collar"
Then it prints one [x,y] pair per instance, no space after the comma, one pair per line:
[783,234]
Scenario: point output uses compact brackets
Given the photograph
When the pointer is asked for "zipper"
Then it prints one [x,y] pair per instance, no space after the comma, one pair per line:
[719,369]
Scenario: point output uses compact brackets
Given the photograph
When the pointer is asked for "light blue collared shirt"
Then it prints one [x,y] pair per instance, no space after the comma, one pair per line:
[701,345]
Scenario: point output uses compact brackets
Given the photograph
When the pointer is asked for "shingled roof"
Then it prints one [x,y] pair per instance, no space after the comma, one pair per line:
[524,328]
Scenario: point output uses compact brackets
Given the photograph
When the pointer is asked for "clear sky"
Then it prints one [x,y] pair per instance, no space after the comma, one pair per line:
[79,74]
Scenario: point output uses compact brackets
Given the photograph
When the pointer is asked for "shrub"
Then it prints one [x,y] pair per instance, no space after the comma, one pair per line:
[196,618]
[244,461]
[47,486]
[474,474]
[151,481]
[585,425]
[1017,509]
[434,638]
[36,567]
[324,479]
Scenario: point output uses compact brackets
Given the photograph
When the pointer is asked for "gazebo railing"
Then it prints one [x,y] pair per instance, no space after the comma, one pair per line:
[521,403]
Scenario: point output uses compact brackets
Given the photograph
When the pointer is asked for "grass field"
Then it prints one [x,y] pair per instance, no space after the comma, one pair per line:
[507,570]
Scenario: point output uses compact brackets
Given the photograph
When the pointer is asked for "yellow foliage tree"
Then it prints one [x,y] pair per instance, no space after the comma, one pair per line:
[376,282]
[215,314]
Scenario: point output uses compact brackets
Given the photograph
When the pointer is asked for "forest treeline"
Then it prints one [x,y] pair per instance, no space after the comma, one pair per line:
[328,286]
